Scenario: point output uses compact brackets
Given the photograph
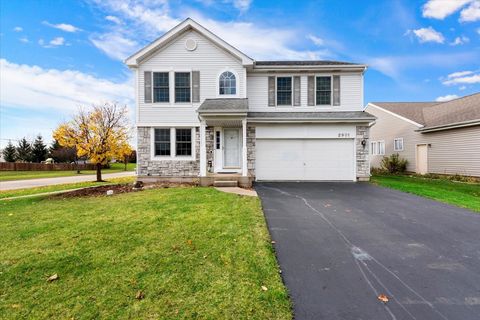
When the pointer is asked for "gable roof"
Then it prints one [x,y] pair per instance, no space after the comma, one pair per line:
[436,115]
[224,105]
[187,24]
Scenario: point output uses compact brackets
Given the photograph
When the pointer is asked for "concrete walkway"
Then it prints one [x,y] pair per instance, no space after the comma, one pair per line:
[34,183]
[239,191]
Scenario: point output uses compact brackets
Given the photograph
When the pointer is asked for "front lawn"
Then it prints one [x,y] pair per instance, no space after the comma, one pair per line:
[462,194]
[24,175]
[192,253]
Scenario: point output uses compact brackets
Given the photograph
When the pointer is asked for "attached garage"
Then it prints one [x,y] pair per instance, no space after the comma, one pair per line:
[305,153]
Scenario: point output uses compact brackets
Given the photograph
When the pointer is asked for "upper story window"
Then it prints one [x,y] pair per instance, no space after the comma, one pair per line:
[324,91]
[227,83]
[284,91]
[161,89]
[182,87]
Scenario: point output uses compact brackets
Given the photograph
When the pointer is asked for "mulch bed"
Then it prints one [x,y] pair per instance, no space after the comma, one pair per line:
[117,189]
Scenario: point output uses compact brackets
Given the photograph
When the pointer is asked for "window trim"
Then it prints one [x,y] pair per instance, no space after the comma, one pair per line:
[331,91]
[173,146]
[169,87]
[175,87]
[394,144]
[237,84]
[291,91]
[377,148]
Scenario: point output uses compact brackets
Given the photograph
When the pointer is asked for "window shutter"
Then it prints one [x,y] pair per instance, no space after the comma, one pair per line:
[311,91]
[271,91]
[195,86]
[336,90]
[296,91]
[147,83]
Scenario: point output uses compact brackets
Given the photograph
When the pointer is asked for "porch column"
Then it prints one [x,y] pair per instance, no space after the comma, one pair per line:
[244,148]
[203,150]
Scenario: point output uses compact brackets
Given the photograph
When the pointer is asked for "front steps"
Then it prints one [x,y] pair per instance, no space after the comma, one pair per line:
[225,184]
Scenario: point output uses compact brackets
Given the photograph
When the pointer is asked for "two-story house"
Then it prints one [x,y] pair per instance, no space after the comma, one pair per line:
[206,111]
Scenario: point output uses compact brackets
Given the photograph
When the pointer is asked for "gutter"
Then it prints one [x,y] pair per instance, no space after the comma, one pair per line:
[449,126]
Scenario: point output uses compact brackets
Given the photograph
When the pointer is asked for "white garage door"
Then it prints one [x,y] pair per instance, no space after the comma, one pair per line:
[304,159]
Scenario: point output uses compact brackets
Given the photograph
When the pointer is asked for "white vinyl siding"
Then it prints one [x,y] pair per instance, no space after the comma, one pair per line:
[208,59]
[351,93]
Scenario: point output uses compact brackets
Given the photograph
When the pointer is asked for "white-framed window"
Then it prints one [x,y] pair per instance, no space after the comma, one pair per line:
[323,90]
[227,84]
[173,143]
[377,148]
[183,87]
[398,144]
[284,91]
[161,86]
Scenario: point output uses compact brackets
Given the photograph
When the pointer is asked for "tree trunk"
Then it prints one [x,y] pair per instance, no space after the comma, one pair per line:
[125,162]
[99,172]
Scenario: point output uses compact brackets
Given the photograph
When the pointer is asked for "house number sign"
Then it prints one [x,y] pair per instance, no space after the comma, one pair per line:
[344,135]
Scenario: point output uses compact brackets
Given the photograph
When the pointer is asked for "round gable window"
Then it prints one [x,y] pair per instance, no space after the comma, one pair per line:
[190,44]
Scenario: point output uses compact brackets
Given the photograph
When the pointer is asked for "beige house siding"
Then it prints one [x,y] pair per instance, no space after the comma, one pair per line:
[455,151]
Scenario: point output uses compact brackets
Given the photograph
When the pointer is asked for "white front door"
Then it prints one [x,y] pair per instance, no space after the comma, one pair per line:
[422,159]
[231,144]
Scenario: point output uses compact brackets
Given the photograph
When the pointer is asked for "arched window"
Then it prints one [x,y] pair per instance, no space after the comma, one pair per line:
[227,83]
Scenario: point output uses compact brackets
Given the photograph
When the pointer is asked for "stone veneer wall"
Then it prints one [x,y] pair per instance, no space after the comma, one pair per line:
[164,168]
[210,145]
[363,161]
[251,150]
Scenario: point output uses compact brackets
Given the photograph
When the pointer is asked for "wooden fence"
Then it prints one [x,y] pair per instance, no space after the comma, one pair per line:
[19,166]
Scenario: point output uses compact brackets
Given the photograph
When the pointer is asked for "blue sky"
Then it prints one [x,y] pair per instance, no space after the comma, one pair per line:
[59,55]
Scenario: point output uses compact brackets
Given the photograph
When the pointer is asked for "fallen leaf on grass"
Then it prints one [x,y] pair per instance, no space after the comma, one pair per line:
[264,288]
[53,278]
[140,295]
[189,242]
[383,298]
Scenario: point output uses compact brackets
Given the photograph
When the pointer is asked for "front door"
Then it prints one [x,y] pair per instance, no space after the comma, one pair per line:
[231,143]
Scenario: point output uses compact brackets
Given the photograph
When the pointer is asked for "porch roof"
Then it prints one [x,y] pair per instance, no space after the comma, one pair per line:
[223,105]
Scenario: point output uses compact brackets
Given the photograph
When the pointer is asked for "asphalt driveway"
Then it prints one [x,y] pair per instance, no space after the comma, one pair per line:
[340,245]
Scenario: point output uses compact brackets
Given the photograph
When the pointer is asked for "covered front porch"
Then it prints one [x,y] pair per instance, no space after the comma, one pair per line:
[223,142]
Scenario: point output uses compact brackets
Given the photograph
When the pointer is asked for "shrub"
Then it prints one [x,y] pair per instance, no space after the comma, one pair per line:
[394,164]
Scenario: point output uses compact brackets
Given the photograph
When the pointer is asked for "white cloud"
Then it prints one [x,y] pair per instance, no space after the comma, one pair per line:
[62,26]
[242,5]
[439,9]
[459,74]
[462,88]
[459,41]
[33,87]
[24,40]
[462,78]
[428,35]
[115,45]
[113,19]
[151,21]
[447,97]
[58,41]
[471,13]
[316,40]
[18,29]
[55,42]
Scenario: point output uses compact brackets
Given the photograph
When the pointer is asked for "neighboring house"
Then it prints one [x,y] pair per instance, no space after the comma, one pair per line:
[207,112]
[434,137]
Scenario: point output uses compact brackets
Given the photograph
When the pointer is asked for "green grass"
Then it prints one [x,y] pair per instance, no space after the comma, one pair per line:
[195,253]
[465,195]
[61,187]
[24,175]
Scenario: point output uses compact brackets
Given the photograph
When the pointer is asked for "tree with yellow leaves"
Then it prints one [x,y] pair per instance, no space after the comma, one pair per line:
[99,134]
